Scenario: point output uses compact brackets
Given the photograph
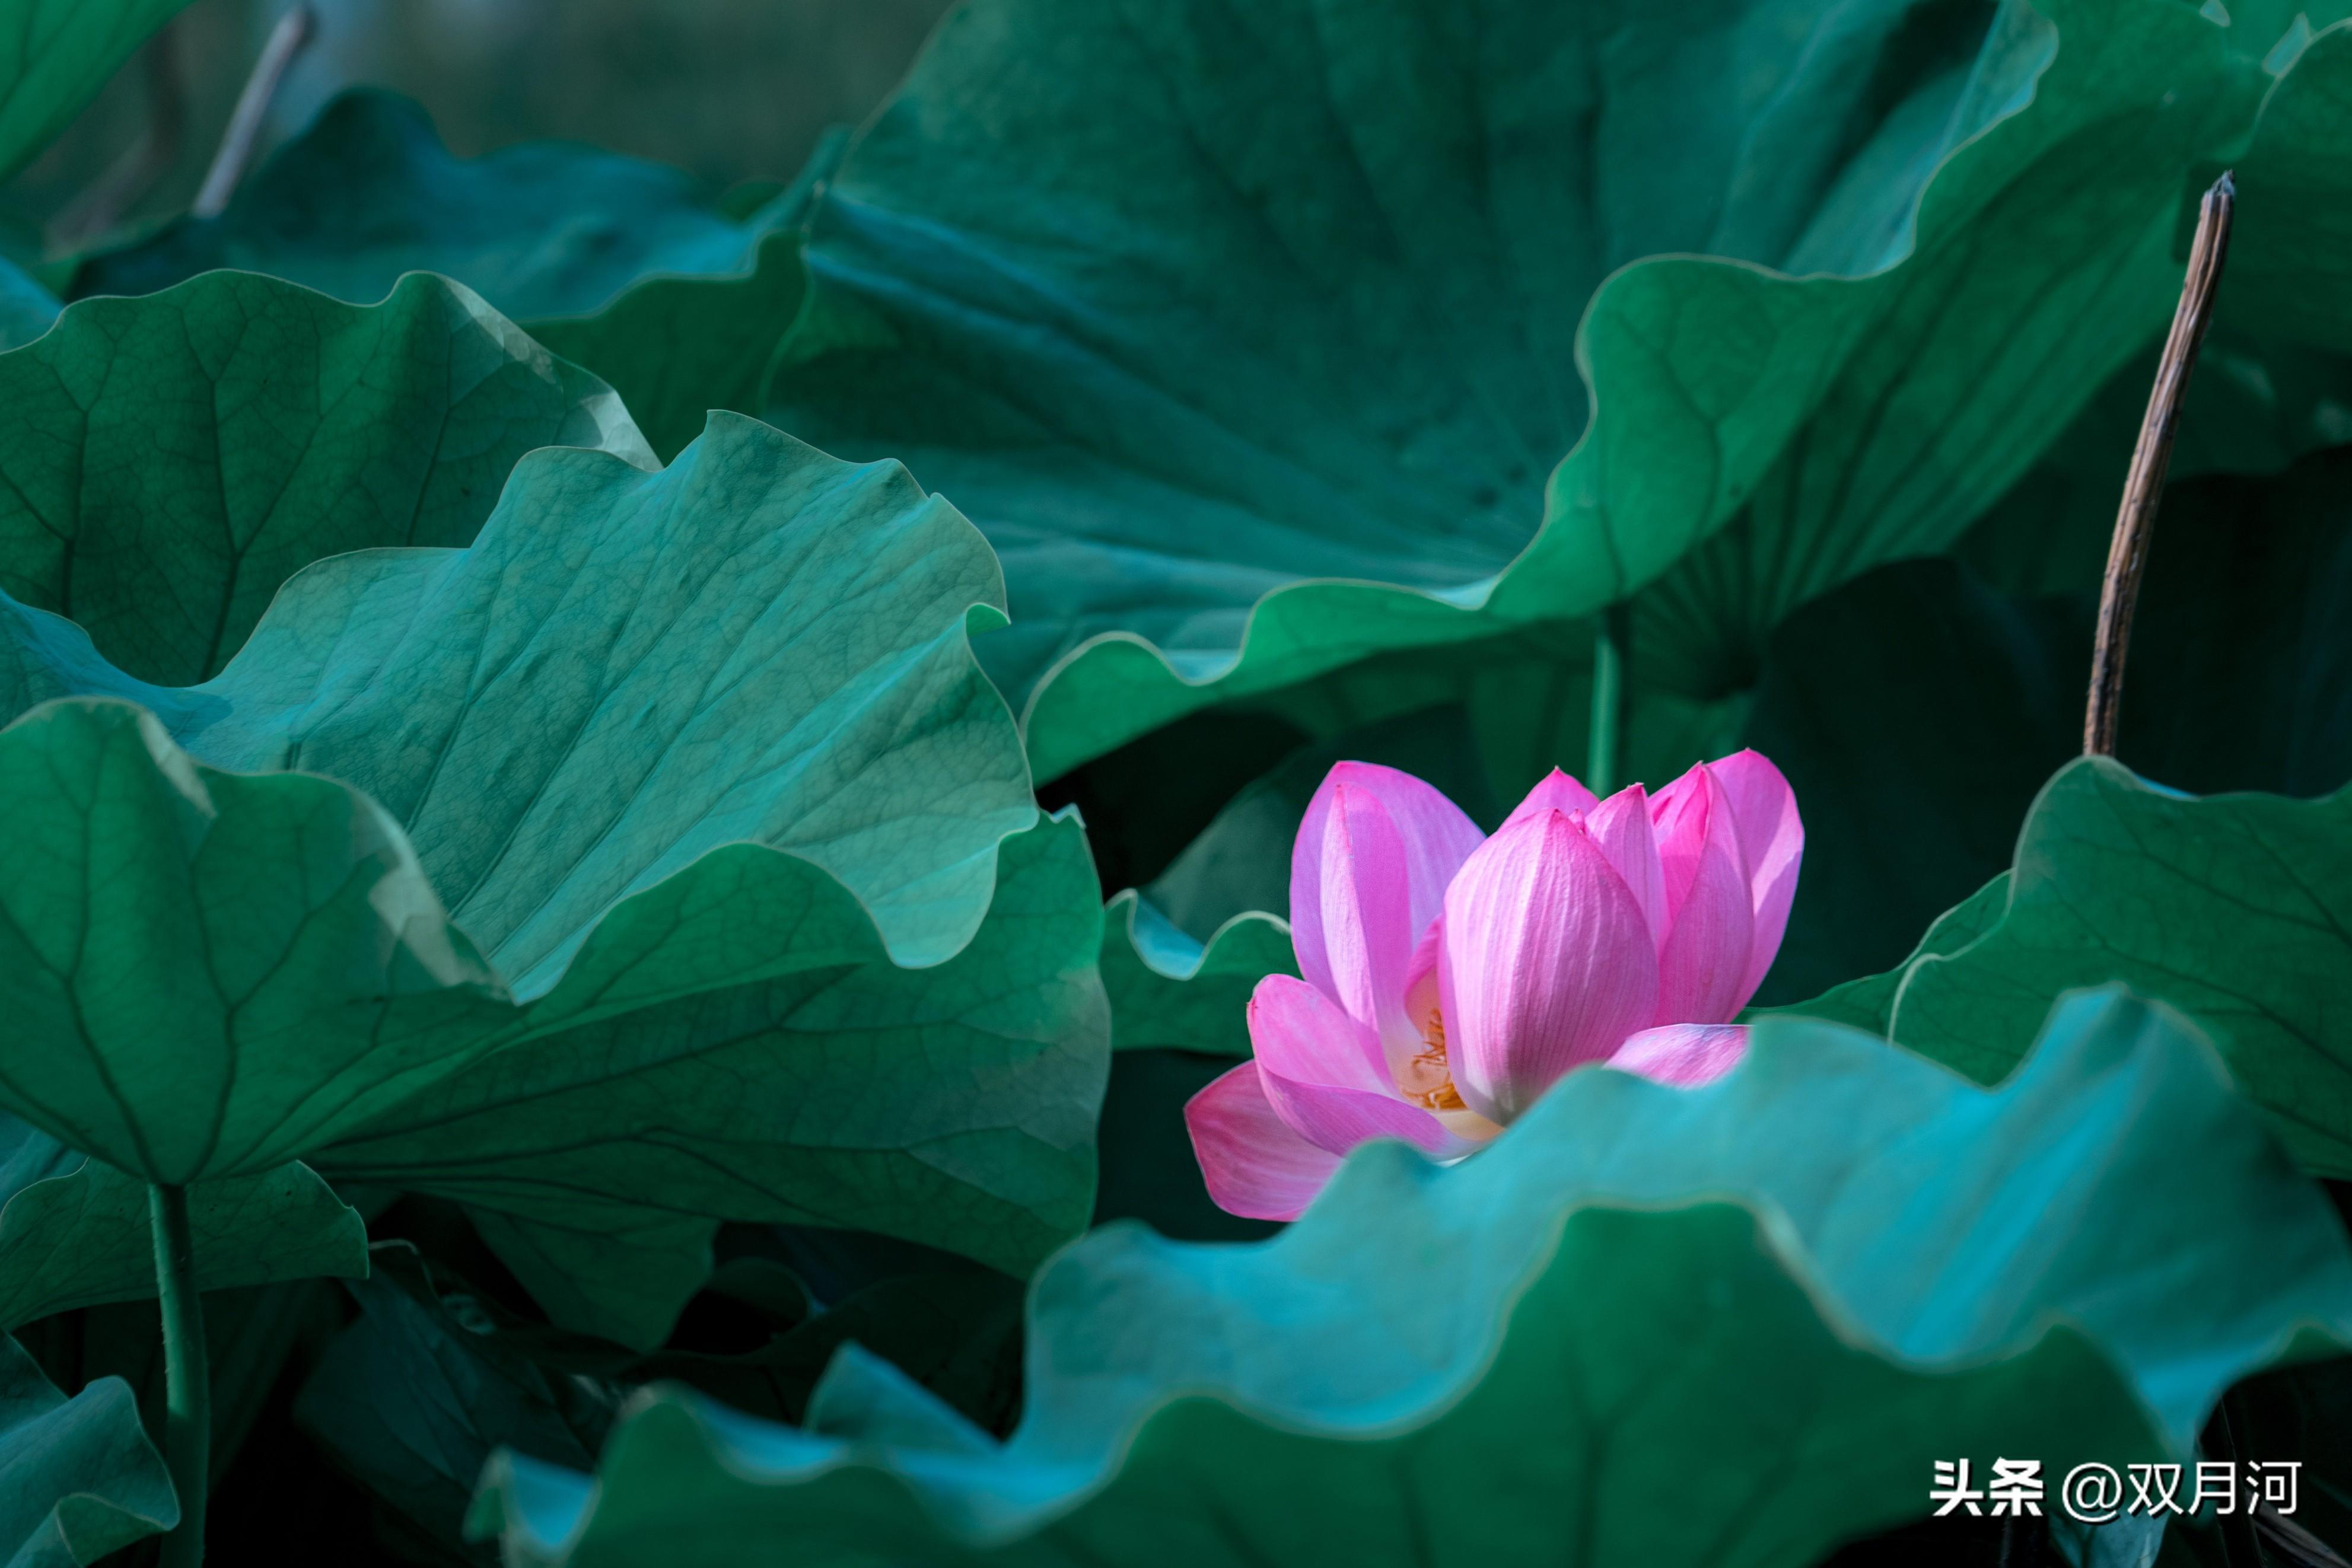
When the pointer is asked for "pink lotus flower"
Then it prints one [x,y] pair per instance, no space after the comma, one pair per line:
[1450,978]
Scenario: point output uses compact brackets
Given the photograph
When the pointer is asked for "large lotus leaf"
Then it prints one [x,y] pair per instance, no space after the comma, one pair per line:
[816,1083]
[2236,908]
[75,1231]
[677,348]
[614,263]
[2291,259]
[209,974]
[1007,275]
[368,193]
[624,672]
[79,1479]
[599,725]
[54,57]
[1727,1326]
[679,344]
[167,463]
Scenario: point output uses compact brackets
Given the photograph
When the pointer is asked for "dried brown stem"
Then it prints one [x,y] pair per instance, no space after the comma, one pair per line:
[2144,485]
[286,41]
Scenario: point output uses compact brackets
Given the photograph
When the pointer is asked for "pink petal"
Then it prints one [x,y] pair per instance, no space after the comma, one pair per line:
[1773,837]
[1703,969]
[1254,1165]
[1324,1076]
[1620,826]
[1557,792]
[1546,963]
[1304,1035]
[1367,874]
[1678,816]
[1686,1055]
[1421,1002]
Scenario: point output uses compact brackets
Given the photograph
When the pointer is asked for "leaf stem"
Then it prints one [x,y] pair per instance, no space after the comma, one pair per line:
[1604,752]
[188,1381]
[2144,484]
[235,150]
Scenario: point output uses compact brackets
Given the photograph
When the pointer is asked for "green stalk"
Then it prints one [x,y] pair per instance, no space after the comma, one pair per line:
[188,1381]
[1603,756]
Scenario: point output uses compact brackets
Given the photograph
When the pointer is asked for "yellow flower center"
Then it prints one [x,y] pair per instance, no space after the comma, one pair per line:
[1427,1080]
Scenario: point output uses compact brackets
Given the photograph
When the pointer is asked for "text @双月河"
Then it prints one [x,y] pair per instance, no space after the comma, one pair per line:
[2099,1494]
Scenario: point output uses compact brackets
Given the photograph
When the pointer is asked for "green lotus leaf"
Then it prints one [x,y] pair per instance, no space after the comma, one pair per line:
[1727,1326]
[2291,258]
[1169,991]
[616,264]
[2235,908]
[209,974]
[702,760]
[677,348]
[368,193]
[83,1480]
[556,714]
[54,57]
[821,1084]
[1202,493]
[168,461]
[75,1231]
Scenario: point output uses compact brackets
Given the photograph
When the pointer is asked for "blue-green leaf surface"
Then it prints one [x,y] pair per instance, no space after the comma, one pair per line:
[1261,347]
[168,463]
[75,1231]
[616,264]
[1727,1326]
[699,760]
[78,1479]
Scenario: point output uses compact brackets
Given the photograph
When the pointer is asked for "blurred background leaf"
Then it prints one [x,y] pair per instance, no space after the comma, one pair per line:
[728,90]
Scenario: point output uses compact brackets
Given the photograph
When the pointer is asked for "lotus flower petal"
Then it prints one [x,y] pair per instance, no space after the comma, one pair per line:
[1556,793]
[1773,836]
[1704,965]
[1254,1166]
[1546,962]
[1326,1077]
[1304,1035]
[1686,1055]
[1367,874]
[1621,825]
[1678,817]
